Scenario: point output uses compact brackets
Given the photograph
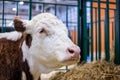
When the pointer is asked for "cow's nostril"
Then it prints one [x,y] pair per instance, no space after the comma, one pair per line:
[71,51]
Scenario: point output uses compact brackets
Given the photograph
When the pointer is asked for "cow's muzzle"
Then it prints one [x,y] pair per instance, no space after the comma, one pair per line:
[73,53]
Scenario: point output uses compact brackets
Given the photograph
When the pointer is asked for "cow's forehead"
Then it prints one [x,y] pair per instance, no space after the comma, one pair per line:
[48,20]
[43,16]
[52,24]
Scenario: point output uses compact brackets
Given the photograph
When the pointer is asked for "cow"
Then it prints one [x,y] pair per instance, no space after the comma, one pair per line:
[36,46]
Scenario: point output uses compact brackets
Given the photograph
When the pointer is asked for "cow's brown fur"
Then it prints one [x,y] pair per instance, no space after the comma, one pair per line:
[11,62]
[10,59]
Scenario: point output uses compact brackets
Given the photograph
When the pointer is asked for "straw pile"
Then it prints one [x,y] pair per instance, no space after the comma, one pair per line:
[91,71]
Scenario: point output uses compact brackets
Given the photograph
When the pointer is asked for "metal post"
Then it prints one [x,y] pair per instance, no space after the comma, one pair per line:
[5,25]
[30,9]
[67,26]
[79,24]
[107,39]
[55,9]
[117,33]
[17,8]
[67,20]
[84,34]
[91,17]
[99,30]
[3,15]
[67,16]
[43,7]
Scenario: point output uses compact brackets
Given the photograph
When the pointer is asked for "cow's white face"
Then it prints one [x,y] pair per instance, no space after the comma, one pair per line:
[50,45]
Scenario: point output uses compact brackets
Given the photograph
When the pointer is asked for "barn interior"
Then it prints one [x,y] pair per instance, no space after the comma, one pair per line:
[92,24]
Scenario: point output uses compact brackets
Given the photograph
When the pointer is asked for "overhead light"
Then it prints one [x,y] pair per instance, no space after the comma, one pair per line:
[21,2]
[57,0]
[14,9]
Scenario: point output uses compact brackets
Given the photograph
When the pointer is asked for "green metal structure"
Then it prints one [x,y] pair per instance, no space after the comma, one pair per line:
[117,32]
[95,24]
[107,46]
[87,29]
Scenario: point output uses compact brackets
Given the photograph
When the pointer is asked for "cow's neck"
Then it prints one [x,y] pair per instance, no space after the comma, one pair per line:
[26,70]
[29,64]
[31,72]
[37,68]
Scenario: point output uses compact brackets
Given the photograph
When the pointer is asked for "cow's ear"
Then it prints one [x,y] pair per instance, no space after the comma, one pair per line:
[19,24]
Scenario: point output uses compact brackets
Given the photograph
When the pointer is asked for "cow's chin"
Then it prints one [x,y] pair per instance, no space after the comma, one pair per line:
[70,62]
[65,62]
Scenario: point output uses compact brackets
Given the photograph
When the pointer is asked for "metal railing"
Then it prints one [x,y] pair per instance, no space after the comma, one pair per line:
[102,35]
[68,13]
[92,33]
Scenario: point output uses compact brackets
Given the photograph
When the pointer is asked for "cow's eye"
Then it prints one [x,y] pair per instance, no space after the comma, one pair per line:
[42,30]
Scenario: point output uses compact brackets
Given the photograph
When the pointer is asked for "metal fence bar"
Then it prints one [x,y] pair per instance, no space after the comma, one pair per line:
[101,1]
[79,22]
[48,3]
[67,18]
[99,30]
[17,8]
[43,7]
[67,25]
[4,25]
[84,32]
[80,28]
[91,13]
[101,8]
[3,21]
[30,9]
[117,33]
[107,39]
[55,9]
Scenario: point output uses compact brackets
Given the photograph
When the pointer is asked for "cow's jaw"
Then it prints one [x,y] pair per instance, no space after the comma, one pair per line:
[36,66]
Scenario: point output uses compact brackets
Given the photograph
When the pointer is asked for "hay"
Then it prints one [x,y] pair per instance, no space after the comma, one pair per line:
[91,71]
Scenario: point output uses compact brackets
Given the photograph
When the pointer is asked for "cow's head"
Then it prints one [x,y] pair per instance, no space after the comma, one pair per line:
[47,41]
